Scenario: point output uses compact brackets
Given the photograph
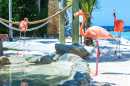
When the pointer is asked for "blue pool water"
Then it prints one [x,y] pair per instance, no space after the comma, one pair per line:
[125,35]
[126,28]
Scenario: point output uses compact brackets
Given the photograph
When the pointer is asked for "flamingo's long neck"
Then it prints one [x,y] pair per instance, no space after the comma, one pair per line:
[24,20]
[81,28]
[115,19]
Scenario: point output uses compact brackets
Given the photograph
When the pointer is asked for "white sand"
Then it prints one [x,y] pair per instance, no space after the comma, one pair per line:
[112,71]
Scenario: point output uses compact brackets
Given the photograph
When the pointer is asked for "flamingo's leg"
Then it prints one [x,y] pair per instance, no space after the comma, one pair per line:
[20,34]
[119,45]
[24,43]
[98,54]
[24,37]
[19,43]
[116,43]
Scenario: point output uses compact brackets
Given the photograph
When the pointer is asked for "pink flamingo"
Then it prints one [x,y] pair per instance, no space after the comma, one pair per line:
[95,32]
[118,27]
[23,26]
[24,84]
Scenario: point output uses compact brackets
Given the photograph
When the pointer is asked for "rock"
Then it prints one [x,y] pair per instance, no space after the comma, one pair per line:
[16,59]
[82,78]
[70,58]
[4,60]
[28,56]
[56,57]
[75,49]
[71,83]
[52,54]
[80,70]
[46,59]
[32,59]
[79,66]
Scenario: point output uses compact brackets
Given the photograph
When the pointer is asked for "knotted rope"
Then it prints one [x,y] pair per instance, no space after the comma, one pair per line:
[31,29]
[39,21]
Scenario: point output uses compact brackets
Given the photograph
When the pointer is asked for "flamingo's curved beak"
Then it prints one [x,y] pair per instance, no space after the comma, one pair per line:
[76,14]
[28,21]
[73,17]
[114,12]
[28,24]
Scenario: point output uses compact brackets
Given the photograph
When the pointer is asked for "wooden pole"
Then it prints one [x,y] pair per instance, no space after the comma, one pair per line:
[10,19]
[62,23]
[75,22]
[80,35]
[1,48]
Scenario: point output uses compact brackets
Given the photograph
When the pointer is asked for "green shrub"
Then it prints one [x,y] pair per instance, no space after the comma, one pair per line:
[22,9]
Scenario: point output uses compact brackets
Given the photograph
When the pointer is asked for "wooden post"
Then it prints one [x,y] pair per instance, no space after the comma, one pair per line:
[80,34]
[75,22]
[1,48]
[10,19]
[62,23]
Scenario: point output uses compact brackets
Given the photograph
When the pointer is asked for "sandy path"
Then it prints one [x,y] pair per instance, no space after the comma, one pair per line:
[112,71]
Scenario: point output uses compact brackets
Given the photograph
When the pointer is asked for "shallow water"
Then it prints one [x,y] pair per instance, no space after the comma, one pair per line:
[125,35]
[33,75]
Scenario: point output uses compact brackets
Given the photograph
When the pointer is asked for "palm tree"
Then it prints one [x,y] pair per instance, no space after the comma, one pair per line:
[53,26]
[88,6]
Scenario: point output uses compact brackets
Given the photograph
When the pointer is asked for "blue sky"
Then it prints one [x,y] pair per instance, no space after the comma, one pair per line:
[104,16]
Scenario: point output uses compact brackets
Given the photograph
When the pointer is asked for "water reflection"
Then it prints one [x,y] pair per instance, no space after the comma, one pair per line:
[12,75]
[23,81]
[24,84]
[33,75]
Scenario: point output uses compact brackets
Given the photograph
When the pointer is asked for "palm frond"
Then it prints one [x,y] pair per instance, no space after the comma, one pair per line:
[88,6]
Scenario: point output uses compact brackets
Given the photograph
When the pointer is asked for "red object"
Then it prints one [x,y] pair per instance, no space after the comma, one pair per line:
[118,24]
[24,84]
[23,26]
[118,27]
[3,36]
[95,32]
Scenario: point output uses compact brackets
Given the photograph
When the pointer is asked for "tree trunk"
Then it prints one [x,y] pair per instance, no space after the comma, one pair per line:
[38,5]
[88,41]
[53,26]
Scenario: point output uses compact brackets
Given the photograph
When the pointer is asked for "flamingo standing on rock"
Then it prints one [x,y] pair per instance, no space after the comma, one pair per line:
[95,32]
[23,26]
[118,27]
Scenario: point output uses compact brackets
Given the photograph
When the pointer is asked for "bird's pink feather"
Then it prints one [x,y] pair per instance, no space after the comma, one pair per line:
[23,26]
[98,33]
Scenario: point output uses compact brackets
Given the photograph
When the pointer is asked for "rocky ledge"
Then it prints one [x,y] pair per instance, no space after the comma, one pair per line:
[79,75]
